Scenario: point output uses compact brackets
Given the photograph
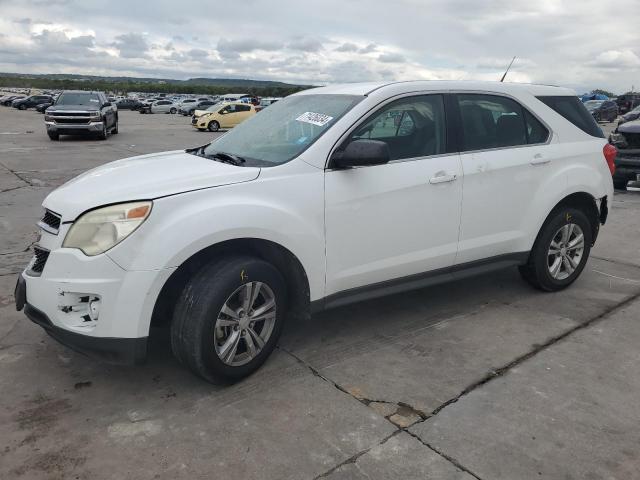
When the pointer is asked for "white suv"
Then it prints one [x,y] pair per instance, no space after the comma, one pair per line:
[330,196]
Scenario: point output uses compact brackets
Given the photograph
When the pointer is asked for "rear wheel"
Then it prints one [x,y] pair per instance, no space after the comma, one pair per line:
[213,126]
[21,107]
[173,110]
[560,251]
[229,318]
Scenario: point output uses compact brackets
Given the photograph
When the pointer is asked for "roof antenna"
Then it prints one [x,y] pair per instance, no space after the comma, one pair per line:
[507,70]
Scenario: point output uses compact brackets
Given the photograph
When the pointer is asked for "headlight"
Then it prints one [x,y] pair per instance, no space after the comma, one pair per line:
[99,230]
[48,118]
[94,114]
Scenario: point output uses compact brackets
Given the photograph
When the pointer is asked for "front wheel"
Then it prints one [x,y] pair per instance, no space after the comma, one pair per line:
[114,130]
[103,134]
[21,107]
[229,318]
[54,136]
[173,111]
[560,252]
[213,126]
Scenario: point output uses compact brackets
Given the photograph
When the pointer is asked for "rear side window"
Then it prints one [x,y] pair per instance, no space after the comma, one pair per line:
[572,109]
[491,121]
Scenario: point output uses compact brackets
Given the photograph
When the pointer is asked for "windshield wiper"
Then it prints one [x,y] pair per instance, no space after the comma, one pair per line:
[218,156]
[227,158]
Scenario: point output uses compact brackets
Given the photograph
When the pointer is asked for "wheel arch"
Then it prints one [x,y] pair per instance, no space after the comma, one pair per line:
[280,257]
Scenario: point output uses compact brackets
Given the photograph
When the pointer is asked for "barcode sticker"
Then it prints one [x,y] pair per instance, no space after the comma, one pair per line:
[319,119]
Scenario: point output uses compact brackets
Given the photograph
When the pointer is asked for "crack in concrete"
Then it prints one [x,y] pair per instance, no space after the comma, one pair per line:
[20,177]
[13,188]
[539,348]
[618,262]
[452,460]
[354,458]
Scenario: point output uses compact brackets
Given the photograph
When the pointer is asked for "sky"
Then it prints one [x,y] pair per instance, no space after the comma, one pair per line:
[581,44]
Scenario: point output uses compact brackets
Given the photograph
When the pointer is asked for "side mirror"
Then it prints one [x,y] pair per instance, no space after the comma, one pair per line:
[106,104]
[361,153]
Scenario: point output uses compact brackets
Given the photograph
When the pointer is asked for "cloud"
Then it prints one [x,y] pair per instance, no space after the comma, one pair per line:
[231,49]
[617,60]
[391,58]
[347,47]
[198,53]
[306,44]
[131,45]
[372,47]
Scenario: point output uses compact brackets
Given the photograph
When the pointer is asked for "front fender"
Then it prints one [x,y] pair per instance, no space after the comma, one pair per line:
[182,225]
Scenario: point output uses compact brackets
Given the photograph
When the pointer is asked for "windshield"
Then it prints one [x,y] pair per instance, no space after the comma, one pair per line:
[78,99]
[214,108]
[285,129]
[593,104]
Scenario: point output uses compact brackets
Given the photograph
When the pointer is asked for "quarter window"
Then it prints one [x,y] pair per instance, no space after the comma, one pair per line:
[411,127]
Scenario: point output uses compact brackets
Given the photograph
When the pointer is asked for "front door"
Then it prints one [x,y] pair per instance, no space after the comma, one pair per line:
[388,222]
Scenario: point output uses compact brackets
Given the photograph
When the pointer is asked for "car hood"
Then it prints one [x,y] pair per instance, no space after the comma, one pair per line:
[143,178]
[72,108]
[630,127]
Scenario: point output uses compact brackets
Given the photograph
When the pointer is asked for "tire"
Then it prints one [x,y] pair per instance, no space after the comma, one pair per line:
[173,111]
[538,270]
[103,134]
[54,136]
[199,344]
[202,129]
[213,126]
[22,107]
[114,130]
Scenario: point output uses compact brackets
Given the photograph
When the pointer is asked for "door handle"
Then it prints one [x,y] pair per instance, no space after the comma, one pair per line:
[442,178]
[539,159]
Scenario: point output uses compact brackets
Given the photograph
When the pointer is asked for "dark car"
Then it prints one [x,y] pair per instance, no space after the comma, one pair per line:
[602,110]
[77,112]
[628,102]
[626,138]
[6,101]
[630,116]
[129,104]
[188,109]
[31,102]
[43,106]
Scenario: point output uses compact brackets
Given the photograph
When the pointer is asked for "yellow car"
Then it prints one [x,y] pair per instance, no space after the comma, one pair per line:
[228,115]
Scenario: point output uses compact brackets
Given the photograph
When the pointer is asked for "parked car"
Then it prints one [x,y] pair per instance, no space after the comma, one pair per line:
[319,201]
[77,112]
[7,100]
[628,102]
[212,108]
[163,106]
[630,116]
[228,116]
[128,104]
[626,139]
[185,104]
[43,106]
[30,102]
[602,110]
[190,108]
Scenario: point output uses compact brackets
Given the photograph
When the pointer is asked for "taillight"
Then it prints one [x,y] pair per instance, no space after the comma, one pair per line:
[610,153]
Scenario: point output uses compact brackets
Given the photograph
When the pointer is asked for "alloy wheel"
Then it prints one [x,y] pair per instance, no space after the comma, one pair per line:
[565,251]
[245,323]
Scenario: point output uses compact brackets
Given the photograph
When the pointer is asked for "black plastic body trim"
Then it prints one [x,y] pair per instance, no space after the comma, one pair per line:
[419,280]
[118,351]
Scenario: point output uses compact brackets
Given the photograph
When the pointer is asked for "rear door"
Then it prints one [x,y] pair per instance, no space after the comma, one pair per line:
[505,156]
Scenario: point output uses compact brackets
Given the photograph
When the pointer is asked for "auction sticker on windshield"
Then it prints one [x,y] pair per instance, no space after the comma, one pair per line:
[319,119]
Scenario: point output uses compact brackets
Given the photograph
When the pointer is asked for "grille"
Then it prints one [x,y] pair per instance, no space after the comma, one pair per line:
[72,120]
[50,222]
[40,256]
[633,139]
[194,120]
[68,114]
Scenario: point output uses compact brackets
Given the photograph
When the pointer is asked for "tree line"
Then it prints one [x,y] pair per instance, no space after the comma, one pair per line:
[124,87]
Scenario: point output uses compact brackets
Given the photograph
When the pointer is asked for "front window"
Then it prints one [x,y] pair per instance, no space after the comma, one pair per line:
[284,130]
[78,98]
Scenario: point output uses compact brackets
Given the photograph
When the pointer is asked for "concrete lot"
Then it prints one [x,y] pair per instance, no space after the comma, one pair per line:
[484,378]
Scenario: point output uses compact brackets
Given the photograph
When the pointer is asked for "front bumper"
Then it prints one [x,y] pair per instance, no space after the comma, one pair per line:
[627,166]
[74,128]
[90,303]
[120,351]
